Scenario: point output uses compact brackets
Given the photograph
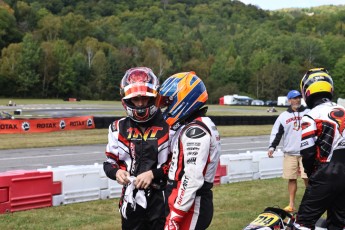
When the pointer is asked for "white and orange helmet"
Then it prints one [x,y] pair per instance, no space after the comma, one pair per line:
[139,82]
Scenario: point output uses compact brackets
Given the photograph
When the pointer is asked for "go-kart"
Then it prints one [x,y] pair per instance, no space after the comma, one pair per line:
[273,219]
[5,116]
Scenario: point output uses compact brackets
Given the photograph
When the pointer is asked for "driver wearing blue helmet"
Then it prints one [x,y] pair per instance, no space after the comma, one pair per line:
[195,147]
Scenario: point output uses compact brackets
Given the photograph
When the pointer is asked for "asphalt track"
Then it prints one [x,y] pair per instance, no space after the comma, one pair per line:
[35,158]
[31,159]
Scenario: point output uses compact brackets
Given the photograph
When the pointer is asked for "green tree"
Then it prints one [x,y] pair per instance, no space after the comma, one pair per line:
[25,15]
[8,30]
[99,72]
[28,67]
[338,78]
[273,80]
[48,67]
[334,44]
[9,62]
[49,27]
[74,28]
[83,75]
[153,56]
[106,29]
[65,80]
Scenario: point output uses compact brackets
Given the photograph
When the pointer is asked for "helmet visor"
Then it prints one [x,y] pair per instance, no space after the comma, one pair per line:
[139,89]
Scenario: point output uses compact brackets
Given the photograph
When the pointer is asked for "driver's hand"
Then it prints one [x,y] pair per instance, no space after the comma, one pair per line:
[144,180]
[122,177]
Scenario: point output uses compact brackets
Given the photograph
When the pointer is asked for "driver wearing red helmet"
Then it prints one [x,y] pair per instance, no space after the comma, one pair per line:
[137,152]
[195,147]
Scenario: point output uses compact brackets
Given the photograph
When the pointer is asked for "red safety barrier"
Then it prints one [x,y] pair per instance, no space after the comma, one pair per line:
[40,125]
[221,171]
[23,190]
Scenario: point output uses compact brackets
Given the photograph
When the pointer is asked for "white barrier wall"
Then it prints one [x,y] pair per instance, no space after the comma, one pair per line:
[83,183]
[268,167]
[251,166]
[239,168]
[88,182]
[113,190]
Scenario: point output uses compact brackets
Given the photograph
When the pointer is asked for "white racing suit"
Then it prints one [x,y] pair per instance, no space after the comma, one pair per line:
[196,149]
[323,154]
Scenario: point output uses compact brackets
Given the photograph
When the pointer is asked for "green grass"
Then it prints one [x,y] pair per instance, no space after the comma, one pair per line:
[235,206]
[99,136]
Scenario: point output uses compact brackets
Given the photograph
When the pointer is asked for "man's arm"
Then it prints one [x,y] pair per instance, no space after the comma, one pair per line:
[276,135]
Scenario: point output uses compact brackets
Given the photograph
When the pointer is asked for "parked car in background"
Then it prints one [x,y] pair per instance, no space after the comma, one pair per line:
[271,103]
[258,102]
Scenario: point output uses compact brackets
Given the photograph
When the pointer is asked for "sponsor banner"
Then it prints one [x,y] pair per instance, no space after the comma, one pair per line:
[42,125]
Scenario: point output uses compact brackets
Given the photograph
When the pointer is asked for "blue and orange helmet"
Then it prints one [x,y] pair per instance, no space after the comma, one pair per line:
[182,94]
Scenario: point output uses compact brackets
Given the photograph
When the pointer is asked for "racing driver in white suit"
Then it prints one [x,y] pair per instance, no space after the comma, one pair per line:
[195,147]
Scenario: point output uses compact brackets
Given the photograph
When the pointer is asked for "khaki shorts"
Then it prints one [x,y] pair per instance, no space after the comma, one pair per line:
[293,167]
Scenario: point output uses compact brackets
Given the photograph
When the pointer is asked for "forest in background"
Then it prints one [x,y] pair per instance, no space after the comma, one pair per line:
[81,48]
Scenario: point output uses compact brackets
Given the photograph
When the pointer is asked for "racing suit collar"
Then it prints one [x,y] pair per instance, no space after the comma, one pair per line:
[320,101]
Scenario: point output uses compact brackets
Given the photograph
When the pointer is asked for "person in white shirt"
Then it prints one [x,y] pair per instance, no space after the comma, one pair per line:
[288,127]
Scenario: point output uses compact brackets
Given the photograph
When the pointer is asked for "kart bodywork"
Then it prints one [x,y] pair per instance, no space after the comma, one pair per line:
[272,219]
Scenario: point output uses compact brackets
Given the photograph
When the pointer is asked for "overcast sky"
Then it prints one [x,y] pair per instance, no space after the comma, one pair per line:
[278,4]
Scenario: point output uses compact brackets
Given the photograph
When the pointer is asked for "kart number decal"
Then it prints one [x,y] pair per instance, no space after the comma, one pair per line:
[265,219]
